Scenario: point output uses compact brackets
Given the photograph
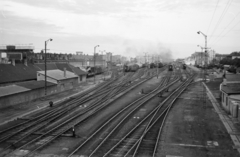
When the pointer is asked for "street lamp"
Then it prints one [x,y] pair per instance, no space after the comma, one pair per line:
[199,32]
[45,58]
[94,61]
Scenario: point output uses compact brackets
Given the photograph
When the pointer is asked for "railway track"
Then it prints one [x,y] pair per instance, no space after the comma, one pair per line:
[116,122]
[143,139]
[147,144]
[52,117]
[135,136]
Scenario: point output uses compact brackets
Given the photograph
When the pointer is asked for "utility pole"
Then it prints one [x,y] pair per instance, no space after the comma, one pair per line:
[205,69]
[45,61]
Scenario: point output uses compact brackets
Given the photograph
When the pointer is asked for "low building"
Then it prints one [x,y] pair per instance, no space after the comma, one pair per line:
[81,73]
[65,80]
[219,57]
[24,92]
[230,90]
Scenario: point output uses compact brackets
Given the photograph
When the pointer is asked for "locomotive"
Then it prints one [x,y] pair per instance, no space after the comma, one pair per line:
[159,65]
[152,65]
[131,68]
[93,71]
[184,66]
[170,67]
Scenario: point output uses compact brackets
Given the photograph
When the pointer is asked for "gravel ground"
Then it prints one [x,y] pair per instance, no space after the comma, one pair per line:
[62,145]
[193,129]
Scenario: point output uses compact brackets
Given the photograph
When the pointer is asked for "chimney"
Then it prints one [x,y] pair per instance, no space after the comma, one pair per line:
[224,81]
[13,62]
[64,72]
[25,62]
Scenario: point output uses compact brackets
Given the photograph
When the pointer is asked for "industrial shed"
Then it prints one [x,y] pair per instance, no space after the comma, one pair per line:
[76,70]
[65,80]
[24,92]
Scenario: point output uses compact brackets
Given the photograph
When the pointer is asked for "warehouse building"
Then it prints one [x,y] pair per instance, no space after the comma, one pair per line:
[65,80]
[24,92]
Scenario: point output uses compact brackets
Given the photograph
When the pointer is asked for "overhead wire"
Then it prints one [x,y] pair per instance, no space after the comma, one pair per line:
[212,16]
[230,29]
[221,17]
[216,39]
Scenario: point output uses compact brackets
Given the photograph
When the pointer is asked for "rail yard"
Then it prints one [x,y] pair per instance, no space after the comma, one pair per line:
[129,114]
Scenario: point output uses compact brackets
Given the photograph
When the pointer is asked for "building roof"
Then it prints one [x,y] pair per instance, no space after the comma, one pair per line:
[50,66]
[58,74]
[231,88]
[17,73]
[221,55]
[61,66]
[233,77]
[78,71]
[34,84]
[13,89]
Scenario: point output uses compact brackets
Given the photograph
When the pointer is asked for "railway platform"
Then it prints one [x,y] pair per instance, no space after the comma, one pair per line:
[197,126]
[18,111]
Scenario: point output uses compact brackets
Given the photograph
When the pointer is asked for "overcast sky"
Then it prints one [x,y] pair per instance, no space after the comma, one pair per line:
[126,27]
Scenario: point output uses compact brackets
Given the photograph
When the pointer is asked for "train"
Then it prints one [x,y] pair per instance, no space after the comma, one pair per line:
[184,66]
[94,70]
[152,65]
[131,68]
[170,67]
[156,65]
[160,65]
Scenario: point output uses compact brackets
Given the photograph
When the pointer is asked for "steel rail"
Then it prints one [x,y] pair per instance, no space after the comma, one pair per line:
[156,118]
[64,130]
[135,128]
[141,103]
[48,115]
[106,123]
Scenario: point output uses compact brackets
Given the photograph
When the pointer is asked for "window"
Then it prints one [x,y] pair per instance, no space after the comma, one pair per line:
[80,78]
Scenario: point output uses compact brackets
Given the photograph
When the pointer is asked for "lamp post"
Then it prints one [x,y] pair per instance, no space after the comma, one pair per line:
[94,61]
[205,36]
[45,58]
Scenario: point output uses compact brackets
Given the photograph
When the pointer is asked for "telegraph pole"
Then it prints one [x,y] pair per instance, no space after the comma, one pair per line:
[205,68]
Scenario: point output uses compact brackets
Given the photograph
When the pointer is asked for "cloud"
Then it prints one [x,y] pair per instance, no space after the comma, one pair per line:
[123,26]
